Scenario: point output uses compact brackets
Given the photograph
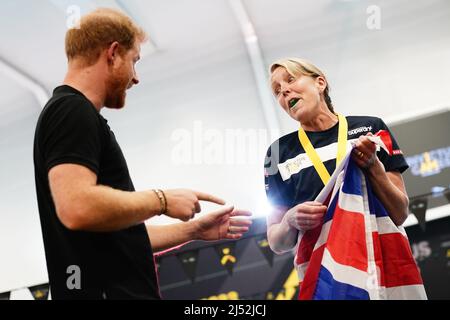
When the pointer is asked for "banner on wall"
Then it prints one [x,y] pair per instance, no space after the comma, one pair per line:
[263,245]
[227,256]
[40,292]
[189,261]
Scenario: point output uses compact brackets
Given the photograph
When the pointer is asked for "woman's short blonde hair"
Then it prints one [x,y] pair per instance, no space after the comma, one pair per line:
[98,30]
[296,67]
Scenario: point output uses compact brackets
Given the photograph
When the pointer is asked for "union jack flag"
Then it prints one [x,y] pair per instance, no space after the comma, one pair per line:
[358,252]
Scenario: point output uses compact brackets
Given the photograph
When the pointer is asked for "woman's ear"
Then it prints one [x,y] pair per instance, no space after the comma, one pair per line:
[321,83]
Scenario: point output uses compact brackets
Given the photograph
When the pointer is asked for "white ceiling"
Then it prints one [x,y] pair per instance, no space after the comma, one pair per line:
[195,33]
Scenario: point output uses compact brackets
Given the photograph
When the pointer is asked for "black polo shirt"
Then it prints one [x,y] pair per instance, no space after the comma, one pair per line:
[291,178]
[114,265]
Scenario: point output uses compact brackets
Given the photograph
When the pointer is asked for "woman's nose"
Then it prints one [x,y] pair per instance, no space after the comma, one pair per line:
[285,90]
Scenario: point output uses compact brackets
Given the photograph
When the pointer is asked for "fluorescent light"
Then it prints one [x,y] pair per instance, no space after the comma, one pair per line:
[259,69]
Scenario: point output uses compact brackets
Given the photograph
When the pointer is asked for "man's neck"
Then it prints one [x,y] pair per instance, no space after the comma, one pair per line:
[88,82]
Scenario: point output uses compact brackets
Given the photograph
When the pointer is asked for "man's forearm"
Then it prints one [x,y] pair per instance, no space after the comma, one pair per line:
[164,237]
[103,209]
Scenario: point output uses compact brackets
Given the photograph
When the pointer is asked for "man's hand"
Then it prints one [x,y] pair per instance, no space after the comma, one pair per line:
[183,204]
[306,216]
[222,224]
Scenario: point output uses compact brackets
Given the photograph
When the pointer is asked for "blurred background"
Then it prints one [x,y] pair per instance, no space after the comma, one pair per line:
[203,117]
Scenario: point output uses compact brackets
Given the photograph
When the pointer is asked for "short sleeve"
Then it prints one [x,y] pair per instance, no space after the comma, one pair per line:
[396,161]
[276,190]
[72,134]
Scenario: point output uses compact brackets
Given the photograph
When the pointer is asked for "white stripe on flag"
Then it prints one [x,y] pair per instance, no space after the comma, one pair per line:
[386,225]
[373,284]
[323,237]
[344,273]
[412,292]
[301,270]
[351,202]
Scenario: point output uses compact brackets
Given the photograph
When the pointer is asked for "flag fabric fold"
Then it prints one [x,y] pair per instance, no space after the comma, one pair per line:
[358,252]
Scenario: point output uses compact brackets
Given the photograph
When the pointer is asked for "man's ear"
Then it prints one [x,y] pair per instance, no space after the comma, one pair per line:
[321,83]
[113,52]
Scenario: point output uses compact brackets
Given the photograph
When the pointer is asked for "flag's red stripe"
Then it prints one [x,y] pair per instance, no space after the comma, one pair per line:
[378,258]
[399,265]
[307,243]
[308,285]
[346,240]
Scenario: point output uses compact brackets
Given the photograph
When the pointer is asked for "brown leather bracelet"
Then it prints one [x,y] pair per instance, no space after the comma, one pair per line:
[162,200]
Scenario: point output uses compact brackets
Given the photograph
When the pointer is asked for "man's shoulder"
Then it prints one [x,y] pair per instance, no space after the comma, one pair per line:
[66,106]
[67,102]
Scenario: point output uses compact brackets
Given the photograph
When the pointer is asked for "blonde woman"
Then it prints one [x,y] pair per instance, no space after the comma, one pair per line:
[292,183]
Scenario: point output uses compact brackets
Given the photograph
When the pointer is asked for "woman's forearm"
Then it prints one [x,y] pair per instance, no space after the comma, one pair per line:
[281,236]
[387,187]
